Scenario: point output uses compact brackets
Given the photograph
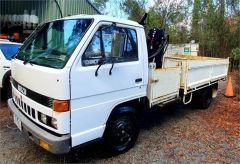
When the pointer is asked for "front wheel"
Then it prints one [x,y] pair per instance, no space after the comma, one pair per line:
[121,133]
[9,91]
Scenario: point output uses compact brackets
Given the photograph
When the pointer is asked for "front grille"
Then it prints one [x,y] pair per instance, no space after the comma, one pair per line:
[30,112]
[41,99]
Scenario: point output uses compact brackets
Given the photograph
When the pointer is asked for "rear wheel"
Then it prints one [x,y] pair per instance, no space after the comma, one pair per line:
[203,98]
[121,133]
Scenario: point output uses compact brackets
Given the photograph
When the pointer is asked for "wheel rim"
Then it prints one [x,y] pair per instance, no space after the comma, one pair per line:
[123,132]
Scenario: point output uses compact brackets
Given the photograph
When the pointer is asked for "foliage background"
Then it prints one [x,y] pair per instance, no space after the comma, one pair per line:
[214,24]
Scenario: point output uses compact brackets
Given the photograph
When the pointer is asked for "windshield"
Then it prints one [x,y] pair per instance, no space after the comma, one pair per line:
[54,42]
[9,50]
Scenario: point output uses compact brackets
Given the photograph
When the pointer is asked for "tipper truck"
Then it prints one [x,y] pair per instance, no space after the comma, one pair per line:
[86,78]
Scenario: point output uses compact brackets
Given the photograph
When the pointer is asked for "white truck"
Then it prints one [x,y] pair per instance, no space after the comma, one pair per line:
[7,50]
[83,78]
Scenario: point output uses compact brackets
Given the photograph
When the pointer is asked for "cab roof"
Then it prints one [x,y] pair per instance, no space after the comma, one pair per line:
[99,18]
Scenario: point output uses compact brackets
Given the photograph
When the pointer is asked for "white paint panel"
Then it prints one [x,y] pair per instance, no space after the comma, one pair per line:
[197,71]
[88,135]
[164,84]
[92,112]
[198,76]
[53,83]
[168,82]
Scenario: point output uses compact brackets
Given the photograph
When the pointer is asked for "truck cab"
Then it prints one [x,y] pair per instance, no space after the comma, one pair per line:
[72,73]
[83,78]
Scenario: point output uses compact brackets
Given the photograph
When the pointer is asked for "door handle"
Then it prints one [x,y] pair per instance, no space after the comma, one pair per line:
[138,80]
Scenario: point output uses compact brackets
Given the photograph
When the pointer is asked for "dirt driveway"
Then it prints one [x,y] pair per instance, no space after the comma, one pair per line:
[174,134]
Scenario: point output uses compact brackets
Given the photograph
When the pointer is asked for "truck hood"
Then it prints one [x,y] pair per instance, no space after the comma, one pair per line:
[50,82]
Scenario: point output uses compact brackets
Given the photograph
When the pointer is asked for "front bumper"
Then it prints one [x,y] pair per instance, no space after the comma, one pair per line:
[55,144]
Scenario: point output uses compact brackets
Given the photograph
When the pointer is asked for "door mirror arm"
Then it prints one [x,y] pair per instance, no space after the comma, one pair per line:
[110,71]
[101,62]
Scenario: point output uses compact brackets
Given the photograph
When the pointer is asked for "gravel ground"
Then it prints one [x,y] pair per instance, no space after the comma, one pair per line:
[173,134]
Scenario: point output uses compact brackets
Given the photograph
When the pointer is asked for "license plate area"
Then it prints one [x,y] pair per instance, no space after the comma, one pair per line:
[17,122]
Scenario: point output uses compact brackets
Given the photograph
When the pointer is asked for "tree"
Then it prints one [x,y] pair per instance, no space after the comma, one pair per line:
[171,16]
[172,12]
[233,6]
[208,34]
[101,5]
[154,19]
[174,16]
[134,8]
[236,54]
[195,20]
[223,31]
[236,57]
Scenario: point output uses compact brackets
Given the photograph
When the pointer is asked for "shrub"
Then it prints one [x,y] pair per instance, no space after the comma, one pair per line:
[236,54]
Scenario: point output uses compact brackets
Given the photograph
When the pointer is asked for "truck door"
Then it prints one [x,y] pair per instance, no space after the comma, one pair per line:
[99,83]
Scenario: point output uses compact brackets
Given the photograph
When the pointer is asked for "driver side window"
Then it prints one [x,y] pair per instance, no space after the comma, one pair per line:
[93,52]
[100,47]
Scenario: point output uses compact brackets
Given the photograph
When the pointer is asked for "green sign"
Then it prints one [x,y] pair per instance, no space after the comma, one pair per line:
[186,50]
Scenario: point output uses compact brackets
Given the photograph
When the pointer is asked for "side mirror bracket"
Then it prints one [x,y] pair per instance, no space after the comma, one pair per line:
[101,62]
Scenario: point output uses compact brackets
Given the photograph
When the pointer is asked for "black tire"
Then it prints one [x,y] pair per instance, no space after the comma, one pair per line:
[203,98]
[8,91]
[121,133]
[7,88]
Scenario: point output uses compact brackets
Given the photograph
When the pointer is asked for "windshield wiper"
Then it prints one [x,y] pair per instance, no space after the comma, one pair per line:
[30,60]
[27,61]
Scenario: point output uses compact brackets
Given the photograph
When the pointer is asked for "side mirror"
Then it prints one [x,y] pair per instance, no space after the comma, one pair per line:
[118,43]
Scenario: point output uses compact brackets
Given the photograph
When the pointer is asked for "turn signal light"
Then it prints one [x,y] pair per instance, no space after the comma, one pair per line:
[44,144]
[61,105]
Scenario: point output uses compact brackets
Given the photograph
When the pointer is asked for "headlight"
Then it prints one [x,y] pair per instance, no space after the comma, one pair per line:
[43,118]
[54,122]
[47,120]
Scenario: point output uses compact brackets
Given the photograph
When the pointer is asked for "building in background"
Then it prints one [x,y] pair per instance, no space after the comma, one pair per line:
[20,17]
